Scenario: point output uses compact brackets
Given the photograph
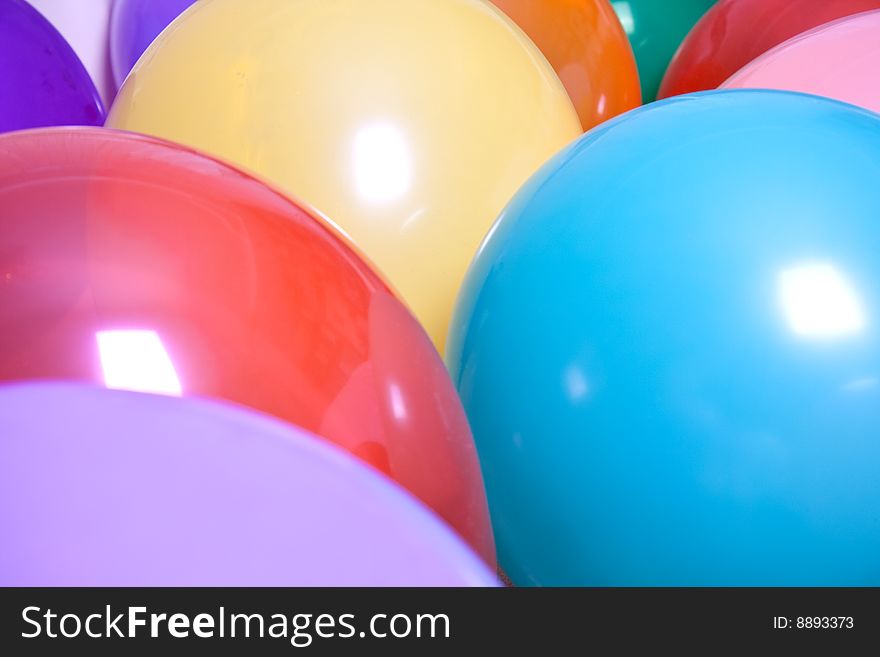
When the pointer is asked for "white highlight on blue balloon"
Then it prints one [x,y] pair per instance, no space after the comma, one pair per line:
[819,302]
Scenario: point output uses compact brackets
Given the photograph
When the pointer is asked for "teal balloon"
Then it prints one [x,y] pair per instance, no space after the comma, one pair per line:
[668,348]
[656,29]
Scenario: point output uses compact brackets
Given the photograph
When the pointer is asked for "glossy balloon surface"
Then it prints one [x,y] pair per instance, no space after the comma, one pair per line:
[656,28]
[588,49]
[133,27]
[140,265]
[42,82]
[85,24]
[669,350]
[735,32]
[409,124]
[109,488]
[838,60]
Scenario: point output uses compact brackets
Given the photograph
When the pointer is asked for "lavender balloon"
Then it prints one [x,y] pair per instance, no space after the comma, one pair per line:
[133,26]
[42,81]
[108,488]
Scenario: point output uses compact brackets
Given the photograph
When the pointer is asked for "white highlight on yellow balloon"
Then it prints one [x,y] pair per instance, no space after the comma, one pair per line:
[382,163]
[409,124]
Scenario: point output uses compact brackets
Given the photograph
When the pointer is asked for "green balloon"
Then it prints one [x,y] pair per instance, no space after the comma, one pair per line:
[655,29]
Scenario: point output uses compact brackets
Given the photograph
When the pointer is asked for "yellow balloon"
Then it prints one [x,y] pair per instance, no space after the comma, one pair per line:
[409,123]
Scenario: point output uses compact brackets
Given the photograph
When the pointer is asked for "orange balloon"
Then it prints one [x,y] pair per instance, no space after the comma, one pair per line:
[585,43]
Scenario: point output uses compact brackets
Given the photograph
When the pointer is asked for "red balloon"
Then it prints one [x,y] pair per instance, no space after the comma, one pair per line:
[141,265]
[734,32]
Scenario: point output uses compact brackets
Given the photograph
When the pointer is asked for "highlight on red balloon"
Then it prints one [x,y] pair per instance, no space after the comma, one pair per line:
[141,265]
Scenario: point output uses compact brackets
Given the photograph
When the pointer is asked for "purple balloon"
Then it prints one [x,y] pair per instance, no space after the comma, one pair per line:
[108,488]
[134,24]
[42,81]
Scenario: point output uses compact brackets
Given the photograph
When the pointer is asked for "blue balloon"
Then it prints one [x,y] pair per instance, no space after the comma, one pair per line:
[669,350]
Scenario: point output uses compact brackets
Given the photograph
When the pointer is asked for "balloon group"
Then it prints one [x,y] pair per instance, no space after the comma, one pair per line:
[669,352]
[42,81]
[655,30]
[587,47]
[133,27]
[837,60]
[409,124]
[109,488]
[85,25]
[735,32]
[140,265]
[224,301]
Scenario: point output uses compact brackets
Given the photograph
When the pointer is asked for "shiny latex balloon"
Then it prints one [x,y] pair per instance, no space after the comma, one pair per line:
[669,350]
[141,265]
[85,25]
[588,49]
[735,32]
[192,493]
[42,82]
[655,29]
[134,25]
[838,60]
[409,124]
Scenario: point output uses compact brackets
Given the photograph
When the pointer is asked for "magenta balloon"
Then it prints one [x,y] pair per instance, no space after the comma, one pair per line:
[108,488]
[42,81]
[840,60]
[134,24]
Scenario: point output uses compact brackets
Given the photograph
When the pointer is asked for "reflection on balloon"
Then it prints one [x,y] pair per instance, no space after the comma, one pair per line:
[670,368]
[819,302]
[195,493]
[141,265]
[382,163]
[408,124]
[576,384]
[625,15]
[137,360]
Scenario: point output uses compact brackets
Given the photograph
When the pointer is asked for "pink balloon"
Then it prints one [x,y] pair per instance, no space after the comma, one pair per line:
[840,60]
